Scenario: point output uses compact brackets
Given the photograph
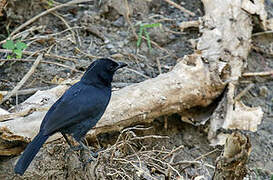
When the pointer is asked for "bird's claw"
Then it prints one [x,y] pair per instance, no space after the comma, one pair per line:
[76,148]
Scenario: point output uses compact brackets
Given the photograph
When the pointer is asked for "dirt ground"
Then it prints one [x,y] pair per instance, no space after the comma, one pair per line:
[102,30]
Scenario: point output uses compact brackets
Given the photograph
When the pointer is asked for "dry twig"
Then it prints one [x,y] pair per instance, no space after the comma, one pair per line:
[47,62]
[66,24]
[243,92]
[53,56]
[87,55]
[132,70]
[180,7]
[266,73]
[45,13]
[25,78]
[27,91]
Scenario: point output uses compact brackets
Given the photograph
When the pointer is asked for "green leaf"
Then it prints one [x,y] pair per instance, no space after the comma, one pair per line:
[50,3]
[9,57]
[139,36]
[18,53]
[20,45]
[151,25]
[148,39]
[9,45]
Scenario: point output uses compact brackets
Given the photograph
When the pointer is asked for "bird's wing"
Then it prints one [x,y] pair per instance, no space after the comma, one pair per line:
[79,103]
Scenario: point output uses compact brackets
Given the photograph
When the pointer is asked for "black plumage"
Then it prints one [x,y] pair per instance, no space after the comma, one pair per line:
[77,111]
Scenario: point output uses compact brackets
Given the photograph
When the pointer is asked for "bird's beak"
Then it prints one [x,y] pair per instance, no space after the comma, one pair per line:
[121,65]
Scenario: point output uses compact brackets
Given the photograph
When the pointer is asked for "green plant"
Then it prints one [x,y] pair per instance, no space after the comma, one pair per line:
[16,48]
[143,28]
[50,3]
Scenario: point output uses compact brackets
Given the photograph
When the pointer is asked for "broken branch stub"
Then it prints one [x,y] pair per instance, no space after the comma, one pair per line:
[225,44]
[231,165]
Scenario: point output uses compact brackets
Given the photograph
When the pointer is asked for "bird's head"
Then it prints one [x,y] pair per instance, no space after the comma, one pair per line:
[101,72]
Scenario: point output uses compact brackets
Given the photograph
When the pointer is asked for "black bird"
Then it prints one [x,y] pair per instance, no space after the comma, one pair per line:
[77,111]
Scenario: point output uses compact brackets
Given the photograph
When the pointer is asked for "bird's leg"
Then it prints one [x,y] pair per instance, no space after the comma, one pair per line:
[67,140]
[74,148]
[95,155]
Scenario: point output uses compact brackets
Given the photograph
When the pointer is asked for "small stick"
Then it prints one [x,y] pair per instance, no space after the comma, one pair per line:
[66,24]
[31,29]
[54,56]
[150,136]
[24,79]
[27,91]
[205,155]
[262,33]
[180,7]
[159,68]
[47,62]
[53,34]
[173,151]
[202,156]
[132,70]
[243,92]
[266,73]
[189,24]
[192,162]
[86,54]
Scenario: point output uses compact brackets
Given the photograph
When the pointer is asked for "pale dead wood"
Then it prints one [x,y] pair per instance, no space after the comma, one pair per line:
[243,92]
[27,91]
[6,117]
[161,96]
[189,24]
[229,40]
[265,73]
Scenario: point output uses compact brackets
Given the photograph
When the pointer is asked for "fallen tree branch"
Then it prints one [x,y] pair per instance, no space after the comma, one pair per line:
[184,87]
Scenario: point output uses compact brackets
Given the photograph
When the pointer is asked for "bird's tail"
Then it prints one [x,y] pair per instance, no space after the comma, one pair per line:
[29,153]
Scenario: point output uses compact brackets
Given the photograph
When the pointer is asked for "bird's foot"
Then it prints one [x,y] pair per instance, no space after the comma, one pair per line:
[96,154]
[76,148]
[88,161]
[72,149]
